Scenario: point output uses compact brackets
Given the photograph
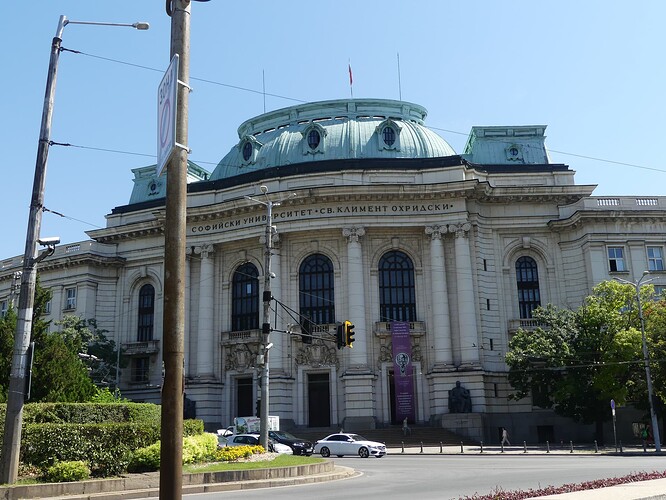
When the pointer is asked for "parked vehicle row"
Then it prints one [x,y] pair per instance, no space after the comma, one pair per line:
[338,444]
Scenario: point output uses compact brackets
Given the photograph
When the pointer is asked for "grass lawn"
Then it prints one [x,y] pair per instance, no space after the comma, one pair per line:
[282,460]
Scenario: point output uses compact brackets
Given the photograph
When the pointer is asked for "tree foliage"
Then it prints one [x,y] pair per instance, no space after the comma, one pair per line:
[577,361]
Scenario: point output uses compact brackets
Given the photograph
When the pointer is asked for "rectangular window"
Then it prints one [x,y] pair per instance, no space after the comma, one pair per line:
[3,309]
[47,307]
[616,259]
[655,257]
[71,298]
[140,368]
[660,291]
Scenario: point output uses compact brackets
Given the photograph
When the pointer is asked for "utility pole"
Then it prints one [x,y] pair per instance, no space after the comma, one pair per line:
[11,444]
[266,326]
[171,451]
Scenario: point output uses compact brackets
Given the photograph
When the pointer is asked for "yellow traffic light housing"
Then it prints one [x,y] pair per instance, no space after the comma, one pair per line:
[349,333]
[340,336]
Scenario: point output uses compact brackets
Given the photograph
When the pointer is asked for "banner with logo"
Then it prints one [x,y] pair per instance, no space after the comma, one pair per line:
[403,371]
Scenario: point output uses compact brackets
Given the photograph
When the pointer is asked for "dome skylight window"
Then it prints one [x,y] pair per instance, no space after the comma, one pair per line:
[247,151]
[314,138]
[389,136]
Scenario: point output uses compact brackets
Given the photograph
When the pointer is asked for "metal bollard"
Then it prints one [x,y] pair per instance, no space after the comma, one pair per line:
[441,449]
[547,446]
[421,446]
[524,446]
[596,446]
[644,445]
[571,446]
[461,447]
[481,447]
[502,447]
[621,451]
[403,446]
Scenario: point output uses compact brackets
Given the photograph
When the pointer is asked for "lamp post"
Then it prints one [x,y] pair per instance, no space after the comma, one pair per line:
[646,356]
[266,326]
[11,445]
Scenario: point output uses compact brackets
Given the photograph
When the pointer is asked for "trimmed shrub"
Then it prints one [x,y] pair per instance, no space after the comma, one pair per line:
[199,448]
[145,459]
[192,427]
[63,472]
[233,453]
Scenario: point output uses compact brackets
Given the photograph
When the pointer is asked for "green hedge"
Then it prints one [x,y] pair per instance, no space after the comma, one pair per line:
[102,435]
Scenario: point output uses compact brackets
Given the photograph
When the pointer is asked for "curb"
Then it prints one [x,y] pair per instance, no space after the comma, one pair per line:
[147,485]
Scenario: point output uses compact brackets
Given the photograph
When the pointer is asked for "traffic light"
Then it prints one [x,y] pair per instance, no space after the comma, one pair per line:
[340,336]
[306,330]
[349,333]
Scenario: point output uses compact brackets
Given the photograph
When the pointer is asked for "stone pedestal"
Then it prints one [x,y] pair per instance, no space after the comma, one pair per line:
[468,425]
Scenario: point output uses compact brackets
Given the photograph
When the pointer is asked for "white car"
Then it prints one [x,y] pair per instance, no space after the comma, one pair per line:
[252,440]
[349,444]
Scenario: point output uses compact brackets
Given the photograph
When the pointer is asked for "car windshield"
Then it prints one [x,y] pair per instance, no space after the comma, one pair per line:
[283,435]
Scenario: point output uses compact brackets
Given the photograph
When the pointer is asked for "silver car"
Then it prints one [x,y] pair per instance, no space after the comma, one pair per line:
[349,444]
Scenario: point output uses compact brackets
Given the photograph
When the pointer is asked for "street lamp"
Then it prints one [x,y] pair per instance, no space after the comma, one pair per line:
[11,445]
[266,326]
[646,356]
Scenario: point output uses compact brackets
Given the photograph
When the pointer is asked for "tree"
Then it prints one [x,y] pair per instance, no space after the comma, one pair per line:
[579,360]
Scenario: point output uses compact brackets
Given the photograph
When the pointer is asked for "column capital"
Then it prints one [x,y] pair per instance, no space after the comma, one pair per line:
[436,232]
[204,250]
[461,230]
[353,233]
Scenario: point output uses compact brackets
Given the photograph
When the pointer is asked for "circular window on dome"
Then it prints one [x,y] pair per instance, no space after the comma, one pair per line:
[389,136]
[247,151]
[314,139]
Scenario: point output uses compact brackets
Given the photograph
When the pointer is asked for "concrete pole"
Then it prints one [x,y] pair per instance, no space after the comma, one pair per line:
[11,445]
[171,467]
[266,327]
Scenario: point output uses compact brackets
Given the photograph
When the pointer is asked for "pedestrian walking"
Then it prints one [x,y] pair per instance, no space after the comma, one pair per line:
[505,437]
[405,428]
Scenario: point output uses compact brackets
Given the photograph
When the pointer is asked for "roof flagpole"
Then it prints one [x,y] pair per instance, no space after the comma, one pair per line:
[399,82]
[351,81]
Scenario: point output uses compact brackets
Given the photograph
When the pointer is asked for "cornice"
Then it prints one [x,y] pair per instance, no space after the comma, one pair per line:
[582,217]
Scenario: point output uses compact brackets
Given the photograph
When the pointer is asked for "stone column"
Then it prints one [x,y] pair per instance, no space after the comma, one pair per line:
[441,321]
[276,356]
[356,296]
[469,353]
[205,347]
[188,337]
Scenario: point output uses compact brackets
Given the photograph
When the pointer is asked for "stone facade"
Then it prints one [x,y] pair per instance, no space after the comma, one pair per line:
[460,224]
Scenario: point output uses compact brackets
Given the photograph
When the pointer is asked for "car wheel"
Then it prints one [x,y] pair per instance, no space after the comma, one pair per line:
[363,452]
[340,456]
[325,452]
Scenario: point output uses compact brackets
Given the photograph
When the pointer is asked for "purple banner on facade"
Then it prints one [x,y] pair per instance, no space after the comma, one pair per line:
[402,371]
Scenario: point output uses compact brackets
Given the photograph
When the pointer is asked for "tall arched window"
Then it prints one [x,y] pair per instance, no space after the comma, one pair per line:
[316,289]
[245,298]
[397,292]
[527,279]
[146,313]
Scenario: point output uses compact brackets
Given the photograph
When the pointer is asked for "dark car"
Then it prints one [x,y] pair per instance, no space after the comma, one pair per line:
[299,446]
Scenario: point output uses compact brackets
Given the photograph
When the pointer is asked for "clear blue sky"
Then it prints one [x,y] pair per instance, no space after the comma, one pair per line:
[593,71]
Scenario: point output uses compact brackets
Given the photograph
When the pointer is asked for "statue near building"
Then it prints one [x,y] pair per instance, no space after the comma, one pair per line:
[459,399]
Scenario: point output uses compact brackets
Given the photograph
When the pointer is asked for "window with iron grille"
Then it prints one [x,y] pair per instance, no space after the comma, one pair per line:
[527,278]
[245,298]
[397,289]
[316,289]
[70,298]
[140,370]
[146,313]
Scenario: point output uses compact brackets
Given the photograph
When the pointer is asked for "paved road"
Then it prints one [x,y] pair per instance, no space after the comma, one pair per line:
[452,476]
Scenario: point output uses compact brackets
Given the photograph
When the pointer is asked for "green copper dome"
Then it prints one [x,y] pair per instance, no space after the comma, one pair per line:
[332,130]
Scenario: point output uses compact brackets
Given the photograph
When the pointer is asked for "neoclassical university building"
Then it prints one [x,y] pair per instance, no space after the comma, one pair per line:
[436,258]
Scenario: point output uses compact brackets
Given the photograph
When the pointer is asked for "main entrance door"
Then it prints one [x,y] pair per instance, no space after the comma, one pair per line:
[244,397]
[319,400]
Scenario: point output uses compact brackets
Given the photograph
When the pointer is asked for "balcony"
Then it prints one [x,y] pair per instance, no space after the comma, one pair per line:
[141,348]
[383,328]
[240,337]
[528,324]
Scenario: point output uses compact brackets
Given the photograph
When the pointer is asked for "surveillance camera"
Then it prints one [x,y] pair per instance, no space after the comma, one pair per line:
[50,241]
[264,189]
[272,275]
